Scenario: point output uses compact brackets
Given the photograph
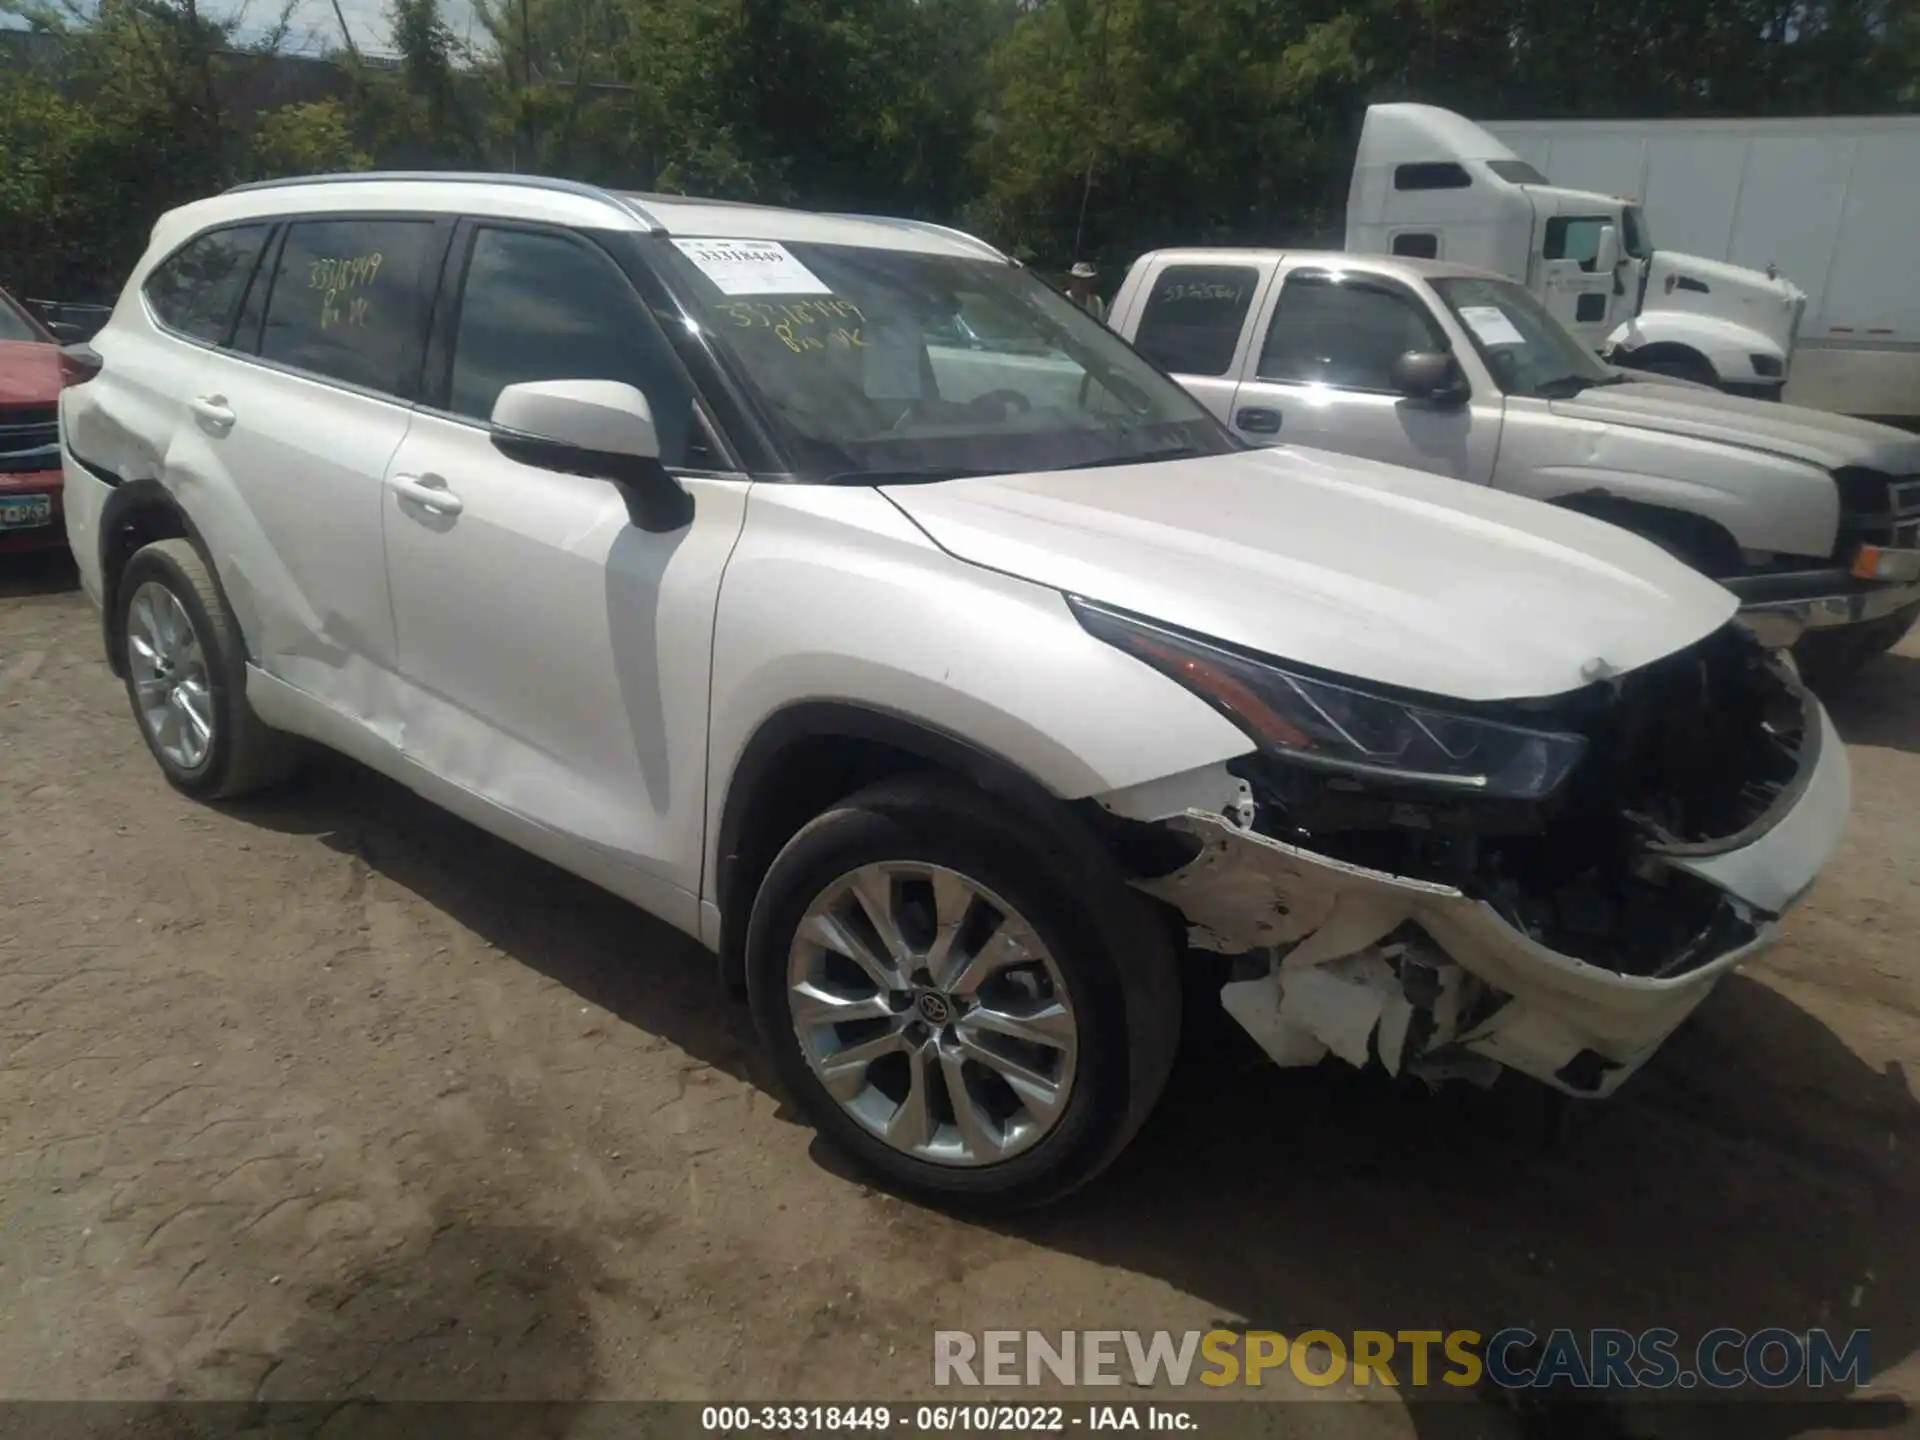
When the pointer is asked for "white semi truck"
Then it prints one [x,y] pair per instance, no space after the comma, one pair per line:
[1833,202]
[1432,185]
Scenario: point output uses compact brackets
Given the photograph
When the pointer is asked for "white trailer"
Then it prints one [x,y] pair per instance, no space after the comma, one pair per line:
[1833,203]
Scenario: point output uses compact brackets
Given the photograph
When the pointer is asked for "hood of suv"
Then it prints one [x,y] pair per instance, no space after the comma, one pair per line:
[1831,441]
[1363,569]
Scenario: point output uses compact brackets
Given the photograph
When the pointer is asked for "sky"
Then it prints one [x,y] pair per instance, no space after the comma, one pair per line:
[315,28]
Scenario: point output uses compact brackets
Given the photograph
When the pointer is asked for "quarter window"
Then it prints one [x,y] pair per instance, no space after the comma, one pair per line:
[545,307]
[195,290]
[346,301]
[1191,323]
[1343,331]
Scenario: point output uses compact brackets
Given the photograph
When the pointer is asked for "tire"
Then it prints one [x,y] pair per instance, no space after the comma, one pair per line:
[1112,966]
[1680,367]
[239,754]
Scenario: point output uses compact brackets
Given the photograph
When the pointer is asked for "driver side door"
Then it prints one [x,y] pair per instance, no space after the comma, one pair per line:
[1327,340]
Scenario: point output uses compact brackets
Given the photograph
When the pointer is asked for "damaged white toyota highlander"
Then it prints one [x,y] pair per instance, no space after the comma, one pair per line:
[836,591]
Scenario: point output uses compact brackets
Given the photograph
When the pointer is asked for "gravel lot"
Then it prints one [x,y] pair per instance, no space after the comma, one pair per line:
[333,1095]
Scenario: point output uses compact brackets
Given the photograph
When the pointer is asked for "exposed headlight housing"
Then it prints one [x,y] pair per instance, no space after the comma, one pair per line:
[1332,726]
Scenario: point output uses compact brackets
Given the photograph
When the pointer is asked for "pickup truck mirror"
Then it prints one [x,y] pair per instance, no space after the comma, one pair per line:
[601,429]
[1606,252]
[1430,375]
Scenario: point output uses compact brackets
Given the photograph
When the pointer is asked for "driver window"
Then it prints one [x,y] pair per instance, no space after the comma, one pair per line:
[1574,237]
[1343,331]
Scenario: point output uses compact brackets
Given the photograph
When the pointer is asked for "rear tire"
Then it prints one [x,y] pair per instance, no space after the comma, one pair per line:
[187,678]
[1105,978]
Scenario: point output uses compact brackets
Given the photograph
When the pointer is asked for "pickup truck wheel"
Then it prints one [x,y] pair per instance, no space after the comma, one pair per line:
[187,679]
[950,1006]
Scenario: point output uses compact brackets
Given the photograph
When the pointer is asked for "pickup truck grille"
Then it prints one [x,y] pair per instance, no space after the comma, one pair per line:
[1877,509]
[29,439]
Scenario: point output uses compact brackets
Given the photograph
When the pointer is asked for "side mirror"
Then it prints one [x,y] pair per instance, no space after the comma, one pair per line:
[601,429]
[1606,252]
[1430,375]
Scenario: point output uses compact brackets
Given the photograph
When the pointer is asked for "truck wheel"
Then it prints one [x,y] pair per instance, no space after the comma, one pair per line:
[1682,365]
[953,1002]
[187,678]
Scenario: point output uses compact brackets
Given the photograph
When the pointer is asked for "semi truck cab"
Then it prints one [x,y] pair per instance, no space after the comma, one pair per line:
[1429,184]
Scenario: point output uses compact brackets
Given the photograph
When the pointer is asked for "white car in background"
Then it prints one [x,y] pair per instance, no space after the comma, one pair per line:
[1812,519]
[961,711]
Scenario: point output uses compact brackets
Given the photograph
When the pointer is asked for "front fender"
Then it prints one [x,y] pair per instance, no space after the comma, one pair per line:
[832,594]
[1727,345]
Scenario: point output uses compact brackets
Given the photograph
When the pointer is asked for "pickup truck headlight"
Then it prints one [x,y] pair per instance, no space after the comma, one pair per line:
[1317,722]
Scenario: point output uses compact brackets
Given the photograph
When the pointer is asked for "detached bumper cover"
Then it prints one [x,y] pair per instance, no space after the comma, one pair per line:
[1483,991]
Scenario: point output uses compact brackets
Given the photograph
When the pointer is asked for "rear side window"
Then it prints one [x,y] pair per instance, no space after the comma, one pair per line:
[1431,175]
[1192,319]
[346,301]
[545,307]
[195,290]
[1346,333]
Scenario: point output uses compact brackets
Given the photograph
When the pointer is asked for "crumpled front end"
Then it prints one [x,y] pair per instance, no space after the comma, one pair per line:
[1448,935]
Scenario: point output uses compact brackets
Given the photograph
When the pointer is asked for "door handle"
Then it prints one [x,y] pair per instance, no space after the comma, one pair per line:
[1258,420]
[213,410]
[429,492]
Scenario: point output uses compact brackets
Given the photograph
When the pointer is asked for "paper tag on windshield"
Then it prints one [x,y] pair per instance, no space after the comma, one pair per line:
[752,267]
[1490,323]
[890,362]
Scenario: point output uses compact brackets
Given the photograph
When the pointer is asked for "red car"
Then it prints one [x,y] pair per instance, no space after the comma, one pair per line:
[30,515]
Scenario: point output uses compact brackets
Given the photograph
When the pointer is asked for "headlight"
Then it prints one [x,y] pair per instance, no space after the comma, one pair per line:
[1336,727]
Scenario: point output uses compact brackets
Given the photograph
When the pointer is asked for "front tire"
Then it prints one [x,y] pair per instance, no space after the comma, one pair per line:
[955,1002]
[186,678]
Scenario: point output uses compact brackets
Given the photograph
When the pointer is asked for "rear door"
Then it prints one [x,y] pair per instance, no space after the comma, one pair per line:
[1192,322]
[285,442]
[557,657]
[1321,376]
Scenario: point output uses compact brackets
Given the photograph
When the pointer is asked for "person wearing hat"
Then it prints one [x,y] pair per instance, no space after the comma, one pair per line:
[1080,291]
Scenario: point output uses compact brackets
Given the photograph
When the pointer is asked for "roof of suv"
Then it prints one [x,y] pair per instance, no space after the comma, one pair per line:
[1403,266]
[567,202]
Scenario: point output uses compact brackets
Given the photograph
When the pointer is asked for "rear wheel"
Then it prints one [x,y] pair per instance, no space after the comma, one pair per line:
[186,677]
[952,1004]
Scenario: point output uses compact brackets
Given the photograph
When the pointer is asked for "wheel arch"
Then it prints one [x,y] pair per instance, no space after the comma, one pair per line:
[1705,543]
[136,514]
[804,757]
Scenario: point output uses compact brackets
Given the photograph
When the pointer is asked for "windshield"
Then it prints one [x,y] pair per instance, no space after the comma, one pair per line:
[1634,239]
[878,365]
[1525,348]
[14,325]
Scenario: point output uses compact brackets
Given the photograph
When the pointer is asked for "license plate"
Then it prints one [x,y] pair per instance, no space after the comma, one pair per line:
[24,512]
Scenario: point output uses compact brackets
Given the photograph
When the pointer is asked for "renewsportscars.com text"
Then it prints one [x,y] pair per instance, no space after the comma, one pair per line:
[1656,1359]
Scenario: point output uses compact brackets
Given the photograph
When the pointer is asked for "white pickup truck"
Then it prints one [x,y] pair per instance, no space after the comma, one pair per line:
[1812,519]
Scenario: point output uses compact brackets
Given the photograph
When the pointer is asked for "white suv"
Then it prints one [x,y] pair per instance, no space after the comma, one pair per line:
[963,695]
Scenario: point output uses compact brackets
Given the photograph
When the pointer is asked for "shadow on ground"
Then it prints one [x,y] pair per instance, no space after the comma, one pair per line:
[1757,1173]
[1880,705]
[48,572]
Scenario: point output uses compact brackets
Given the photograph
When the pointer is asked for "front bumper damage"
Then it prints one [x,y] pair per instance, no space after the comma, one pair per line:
[1432,980]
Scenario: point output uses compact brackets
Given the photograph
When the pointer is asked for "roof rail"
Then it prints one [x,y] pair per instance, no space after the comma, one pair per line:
[618,200]
[930,228]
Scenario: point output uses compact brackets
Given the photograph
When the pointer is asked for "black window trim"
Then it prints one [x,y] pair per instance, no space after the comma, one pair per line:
[1374,280]
[440,220]
[259,222]
[436,381]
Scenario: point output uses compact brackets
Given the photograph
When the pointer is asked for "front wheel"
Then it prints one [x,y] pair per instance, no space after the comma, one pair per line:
[954,1004]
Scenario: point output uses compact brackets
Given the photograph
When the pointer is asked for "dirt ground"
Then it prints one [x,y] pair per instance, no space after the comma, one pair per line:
[332,1095]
